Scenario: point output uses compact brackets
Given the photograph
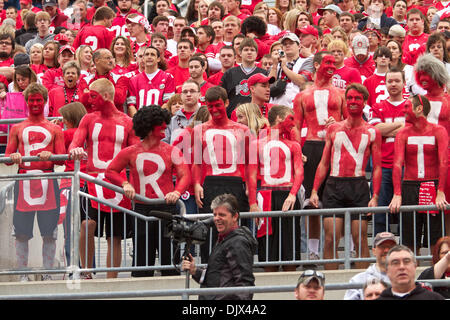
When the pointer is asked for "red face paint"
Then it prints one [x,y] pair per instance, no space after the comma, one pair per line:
[355,103]
[217,109]
[36,104]
[96,100]
[287,124]
[409,113]
[159,132]
[426,81]
[327,67]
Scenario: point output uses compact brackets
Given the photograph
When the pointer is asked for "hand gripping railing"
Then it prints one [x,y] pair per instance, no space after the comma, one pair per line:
[75,204]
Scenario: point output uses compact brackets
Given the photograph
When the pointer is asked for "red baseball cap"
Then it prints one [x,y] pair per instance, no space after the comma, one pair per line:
[60,37]
[259,78]
[67,47]
[309,30]
[139,19]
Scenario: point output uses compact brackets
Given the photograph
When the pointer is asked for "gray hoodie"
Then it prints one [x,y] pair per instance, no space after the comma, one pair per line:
[362,277]
[174,129]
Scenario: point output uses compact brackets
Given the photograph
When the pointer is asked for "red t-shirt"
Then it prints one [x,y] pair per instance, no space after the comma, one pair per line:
[144,92]
[387,112]
[413,47]
[344,76]
[366,69]
[96,37]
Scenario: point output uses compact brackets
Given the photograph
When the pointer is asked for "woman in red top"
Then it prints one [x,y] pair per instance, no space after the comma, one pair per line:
[83,56]
[36,58]
[121,51]
[49,58]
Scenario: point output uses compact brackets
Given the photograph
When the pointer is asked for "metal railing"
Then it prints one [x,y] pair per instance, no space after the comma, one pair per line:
[193,291]
[76,194]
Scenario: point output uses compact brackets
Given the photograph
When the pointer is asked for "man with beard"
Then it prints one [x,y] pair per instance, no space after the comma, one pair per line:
[6,50]
[318,106]
[348,146]
[382,243]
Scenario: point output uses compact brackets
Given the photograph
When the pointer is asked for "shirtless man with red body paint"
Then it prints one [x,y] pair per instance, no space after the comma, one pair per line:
[348,146]
[106,131]
[35,136]
[280,169]
[432,75]
[318,106]
[152,164]
[421,150]
[220,153]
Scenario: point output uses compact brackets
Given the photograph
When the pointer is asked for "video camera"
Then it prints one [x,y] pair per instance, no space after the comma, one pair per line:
[184,230]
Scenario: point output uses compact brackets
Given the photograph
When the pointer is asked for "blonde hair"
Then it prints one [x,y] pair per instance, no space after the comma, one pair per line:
[290,19]
[103,86]
[339,44]
[341,31]
[78,54]
[256,121]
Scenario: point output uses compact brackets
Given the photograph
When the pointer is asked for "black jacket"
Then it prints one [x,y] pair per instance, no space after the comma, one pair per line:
[385,22]
[419,293]
[25,35]
[230,265]
[429,274]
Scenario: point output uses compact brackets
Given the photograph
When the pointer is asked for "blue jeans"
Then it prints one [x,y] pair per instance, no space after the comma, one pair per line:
[384,199]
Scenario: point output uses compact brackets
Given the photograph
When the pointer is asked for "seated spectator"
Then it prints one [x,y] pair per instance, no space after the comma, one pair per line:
[372,289]
[310,286]
[441,266]
[401,267]
[382,243]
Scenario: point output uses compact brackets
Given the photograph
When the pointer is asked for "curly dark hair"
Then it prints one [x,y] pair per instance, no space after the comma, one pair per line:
[149,117]
[254,24]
